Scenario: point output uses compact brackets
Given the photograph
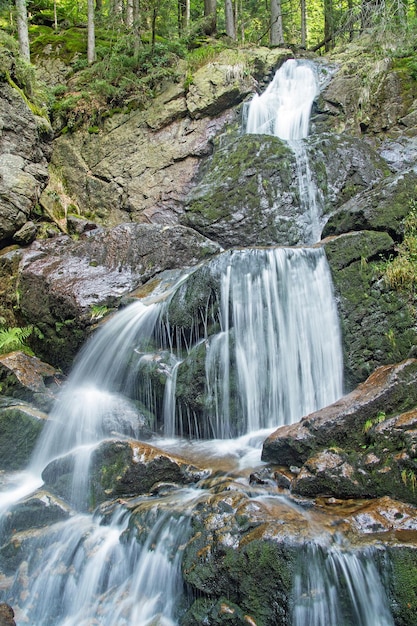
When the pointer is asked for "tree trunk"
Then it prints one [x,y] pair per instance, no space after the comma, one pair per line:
[328,24]
[91,37]
[22,29]
[154,16]
[210,12]
[129,14]
[230,19]
[303,8]
[277,32]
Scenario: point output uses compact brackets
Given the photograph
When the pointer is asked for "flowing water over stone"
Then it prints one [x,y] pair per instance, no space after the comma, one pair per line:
[328,574]
[283,110]
[271,346]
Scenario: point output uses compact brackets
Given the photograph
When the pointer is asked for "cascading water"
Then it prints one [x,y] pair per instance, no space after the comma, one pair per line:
[327,574]
[283,110]
[279,328]
[272,354]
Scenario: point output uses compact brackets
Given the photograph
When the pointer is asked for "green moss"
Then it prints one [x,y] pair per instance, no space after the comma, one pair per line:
[404,584]
[19,431]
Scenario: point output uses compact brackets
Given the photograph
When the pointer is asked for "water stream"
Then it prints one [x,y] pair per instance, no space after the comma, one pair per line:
[272,355]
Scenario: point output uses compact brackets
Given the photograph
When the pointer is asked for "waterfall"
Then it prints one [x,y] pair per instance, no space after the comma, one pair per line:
[279,329]
[272,353]
[90,569]
[283,110]
[334,586]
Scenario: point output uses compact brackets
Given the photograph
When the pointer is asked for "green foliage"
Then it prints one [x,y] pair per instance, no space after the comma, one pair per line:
[15,339]
[98,311]
[401,272]
[381,416]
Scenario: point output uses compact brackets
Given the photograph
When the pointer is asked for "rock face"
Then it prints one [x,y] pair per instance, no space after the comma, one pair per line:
[142,165]
[24,153]
[361,445]
[377,322]
[62,280]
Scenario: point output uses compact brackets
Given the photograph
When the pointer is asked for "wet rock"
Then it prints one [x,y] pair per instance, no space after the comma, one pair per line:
[248,192]
[20,427]
[376,322]
[35,511]
[6,615]
[24,154]
[62,280]
[121,469]
[389,388]
[28,378]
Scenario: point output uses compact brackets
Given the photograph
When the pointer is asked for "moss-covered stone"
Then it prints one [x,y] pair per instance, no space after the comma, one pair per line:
[403,566]
[247,194]
[20,427]
[377,322]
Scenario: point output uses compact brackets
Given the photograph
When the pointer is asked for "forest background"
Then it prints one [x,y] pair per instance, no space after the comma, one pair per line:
[122,52]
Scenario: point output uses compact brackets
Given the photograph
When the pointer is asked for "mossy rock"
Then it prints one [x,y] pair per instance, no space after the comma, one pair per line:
[21,425]
[378,325]
[383,208]
[248,194]
[403,579]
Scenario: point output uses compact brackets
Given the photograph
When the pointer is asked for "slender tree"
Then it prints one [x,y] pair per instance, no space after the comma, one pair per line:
[277,31]
[328,24]
[303,8]
[22,29]
[230,19]
[91,37]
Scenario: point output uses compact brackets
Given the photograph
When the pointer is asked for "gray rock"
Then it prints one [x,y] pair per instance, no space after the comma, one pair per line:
[24,154]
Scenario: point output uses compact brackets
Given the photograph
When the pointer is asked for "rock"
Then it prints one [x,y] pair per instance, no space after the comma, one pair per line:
[28,378]
[376,322]
[9,275]
[6,615]
[20,427]
[389,389]
[217,86]
[132,172]
[366,95]
[35,511]
[62,279]
[26,234]
[248,193]
[121,469]
[381,208]
[24,154]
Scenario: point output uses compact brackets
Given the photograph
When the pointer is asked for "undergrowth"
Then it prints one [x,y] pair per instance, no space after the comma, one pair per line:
[401,271]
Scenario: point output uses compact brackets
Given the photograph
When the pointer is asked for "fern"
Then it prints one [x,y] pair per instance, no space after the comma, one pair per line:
[14,339]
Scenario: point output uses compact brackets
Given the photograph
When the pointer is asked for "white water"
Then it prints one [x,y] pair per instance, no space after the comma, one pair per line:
[329,574]
[280,330]
[283,110]
[277,357]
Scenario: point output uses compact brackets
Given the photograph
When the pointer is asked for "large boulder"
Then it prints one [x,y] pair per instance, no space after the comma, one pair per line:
[382,207]
[363,445]
[120,469]
[62,280]
[25,147]
[28,378]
